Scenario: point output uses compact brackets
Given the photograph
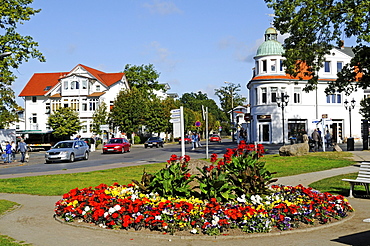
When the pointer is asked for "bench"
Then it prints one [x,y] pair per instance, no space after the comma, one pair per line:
[363,178]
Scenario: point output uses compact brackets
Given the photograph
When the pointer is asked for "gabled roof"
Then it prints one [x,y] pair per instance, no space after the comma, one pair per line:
[41,83]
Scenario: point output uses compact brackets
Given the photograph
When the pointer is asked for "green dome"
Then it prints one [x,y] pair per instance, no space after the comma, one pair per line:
[271,46]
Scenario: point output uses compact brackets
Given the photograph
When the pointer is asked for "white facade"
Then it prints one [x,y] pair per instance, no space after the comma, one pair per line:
[82,89]
[270,81]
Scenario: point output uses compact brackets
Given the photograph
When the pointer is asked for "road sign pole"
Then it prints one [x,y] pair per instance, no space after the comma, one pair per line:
[207,132]
[182,131]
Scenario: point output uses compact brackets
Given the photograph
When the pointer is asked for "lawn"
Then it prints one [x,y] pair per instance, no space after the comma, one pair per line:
[57,185]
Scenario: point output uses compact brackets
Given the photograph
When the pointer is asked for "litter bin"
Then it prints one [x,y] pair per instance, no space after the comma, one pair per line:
[350,144]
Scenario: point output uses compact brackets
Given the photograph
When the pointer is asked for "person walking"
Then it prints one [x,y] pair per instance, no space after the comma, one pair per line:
[198,142]
[316,138]
[14,149]
[328,139]
[22,147]
[8,152]
[194,140]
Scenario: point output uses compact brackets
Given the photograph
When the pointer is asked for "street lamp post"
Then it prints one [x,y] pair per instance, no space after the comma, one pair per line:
[349,107]
[282,102]
[232,110]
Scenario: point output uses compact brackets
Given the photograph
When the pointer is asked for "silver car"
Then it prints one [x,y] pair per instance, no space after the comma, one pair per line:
[67,151]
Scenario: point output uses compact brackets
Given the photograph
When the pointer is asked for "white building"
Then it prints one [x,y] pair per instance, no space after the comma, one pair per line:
[270,81]
[82,89]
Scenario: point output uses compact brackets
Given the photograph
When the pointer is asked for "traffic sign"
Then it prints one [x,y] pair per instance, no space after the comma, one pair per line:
[173,116]
[175,120]
[175,111]
[198,124]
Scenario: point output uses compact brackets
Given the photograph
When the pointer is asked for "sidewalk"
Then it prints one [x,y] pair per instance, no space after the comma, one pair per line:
[33,223]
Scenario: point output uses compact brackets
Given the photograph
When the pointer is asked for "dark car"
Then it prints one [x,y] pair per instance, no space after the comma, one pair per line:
[154,142]
[187,139]
[117,145]
[89,141]
[215,138]
[67,151]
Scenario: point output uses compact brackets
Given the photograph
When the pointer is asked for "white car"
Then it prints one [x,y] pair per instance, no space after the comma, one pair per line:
[69,150]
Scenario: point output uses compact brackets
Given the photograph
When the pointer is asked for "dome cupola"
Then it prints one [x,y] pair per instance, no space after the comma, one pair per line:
[271,46]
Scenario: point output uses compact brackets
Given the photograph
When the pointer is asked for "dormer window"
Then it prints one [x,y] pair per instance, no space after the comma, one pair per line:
[97,88]
[65,85]
[75,85]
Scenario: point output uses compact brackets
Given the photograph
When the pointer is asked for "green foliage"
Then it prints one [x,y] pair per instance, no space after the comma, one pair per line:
[64,122]
[144,78]
[249,174]
[314,28]
[137,139]
[22,48]
[171,181]
[365,108]
[100,117]
[229,97]
[130,110]
[214,183]
[157,117]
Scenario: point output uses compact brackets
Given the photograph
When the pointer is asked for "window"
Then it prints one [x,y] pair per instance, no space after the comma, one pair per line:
[264,95]
[281,65]
[334,98]
[65,85]
[75,85]
[297,95]
[264,66]
[339,66]
[34,118]
[97,88]
[84,84]
[47,108]
[257,68]
[84,107]
[93,104]
[273,94]
[273,65]
[327,67]
[34,99]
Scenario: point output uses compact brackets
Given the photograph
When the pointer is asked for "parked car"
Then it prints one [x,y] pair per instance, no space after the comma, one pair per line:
[215,138]
[154,142]
[117,145]
[69,150]
[187,139]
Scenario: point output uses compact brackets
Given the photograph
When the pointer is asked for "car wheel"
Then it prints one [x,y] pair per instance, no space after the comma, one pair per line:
[86,156]
[157,146]
[129,149]
[72,157]
[146,146]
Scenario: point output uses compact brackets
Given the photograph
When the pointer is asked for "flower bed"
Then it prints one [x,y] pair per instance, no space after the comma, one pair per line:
[234,194]
[124,207]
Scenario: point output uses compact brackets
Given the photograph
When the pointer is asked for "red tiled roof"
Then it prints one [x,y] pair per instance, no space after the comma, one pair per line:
[96,94]
[41,83]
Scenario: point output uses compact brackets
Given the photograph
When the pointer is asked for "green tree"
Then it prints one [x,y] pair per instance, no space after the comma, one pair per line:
[65,122]
[100,117]
[229,97]
[314,28]
[22,48]
[130,110]
[157,117]
[365,108]
[143,77]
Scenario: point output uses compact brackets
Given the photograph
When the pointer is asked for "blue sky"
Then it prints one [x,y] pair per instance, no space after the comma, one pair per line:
[195,45]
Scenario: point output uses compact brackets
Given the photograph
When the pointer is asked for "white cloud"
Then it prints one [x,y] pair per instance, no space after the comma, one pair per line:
[162,7]
[162,56]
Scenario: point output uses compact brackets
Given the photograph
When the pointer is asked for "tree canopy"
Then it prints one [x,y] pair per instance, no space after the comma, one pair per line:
[100,117]
[315,27]
[65,122]
[143,77]
[22,48]
[229,96]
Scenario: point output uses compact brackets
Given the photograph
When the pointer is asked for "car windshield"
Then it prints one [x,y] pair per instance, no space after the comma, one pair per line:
[154,138]
[63,145]
[115,140]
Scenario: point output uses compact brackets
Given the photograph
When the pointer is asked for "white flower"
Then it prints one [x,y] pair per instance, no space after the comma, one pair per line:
[87,208]
[106,214]
[256,199]
[158,217]
[111,210]
[117,207]
[134,197]
[102,225]
[194,231]
[83,212]
[215,220]
[241,199]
